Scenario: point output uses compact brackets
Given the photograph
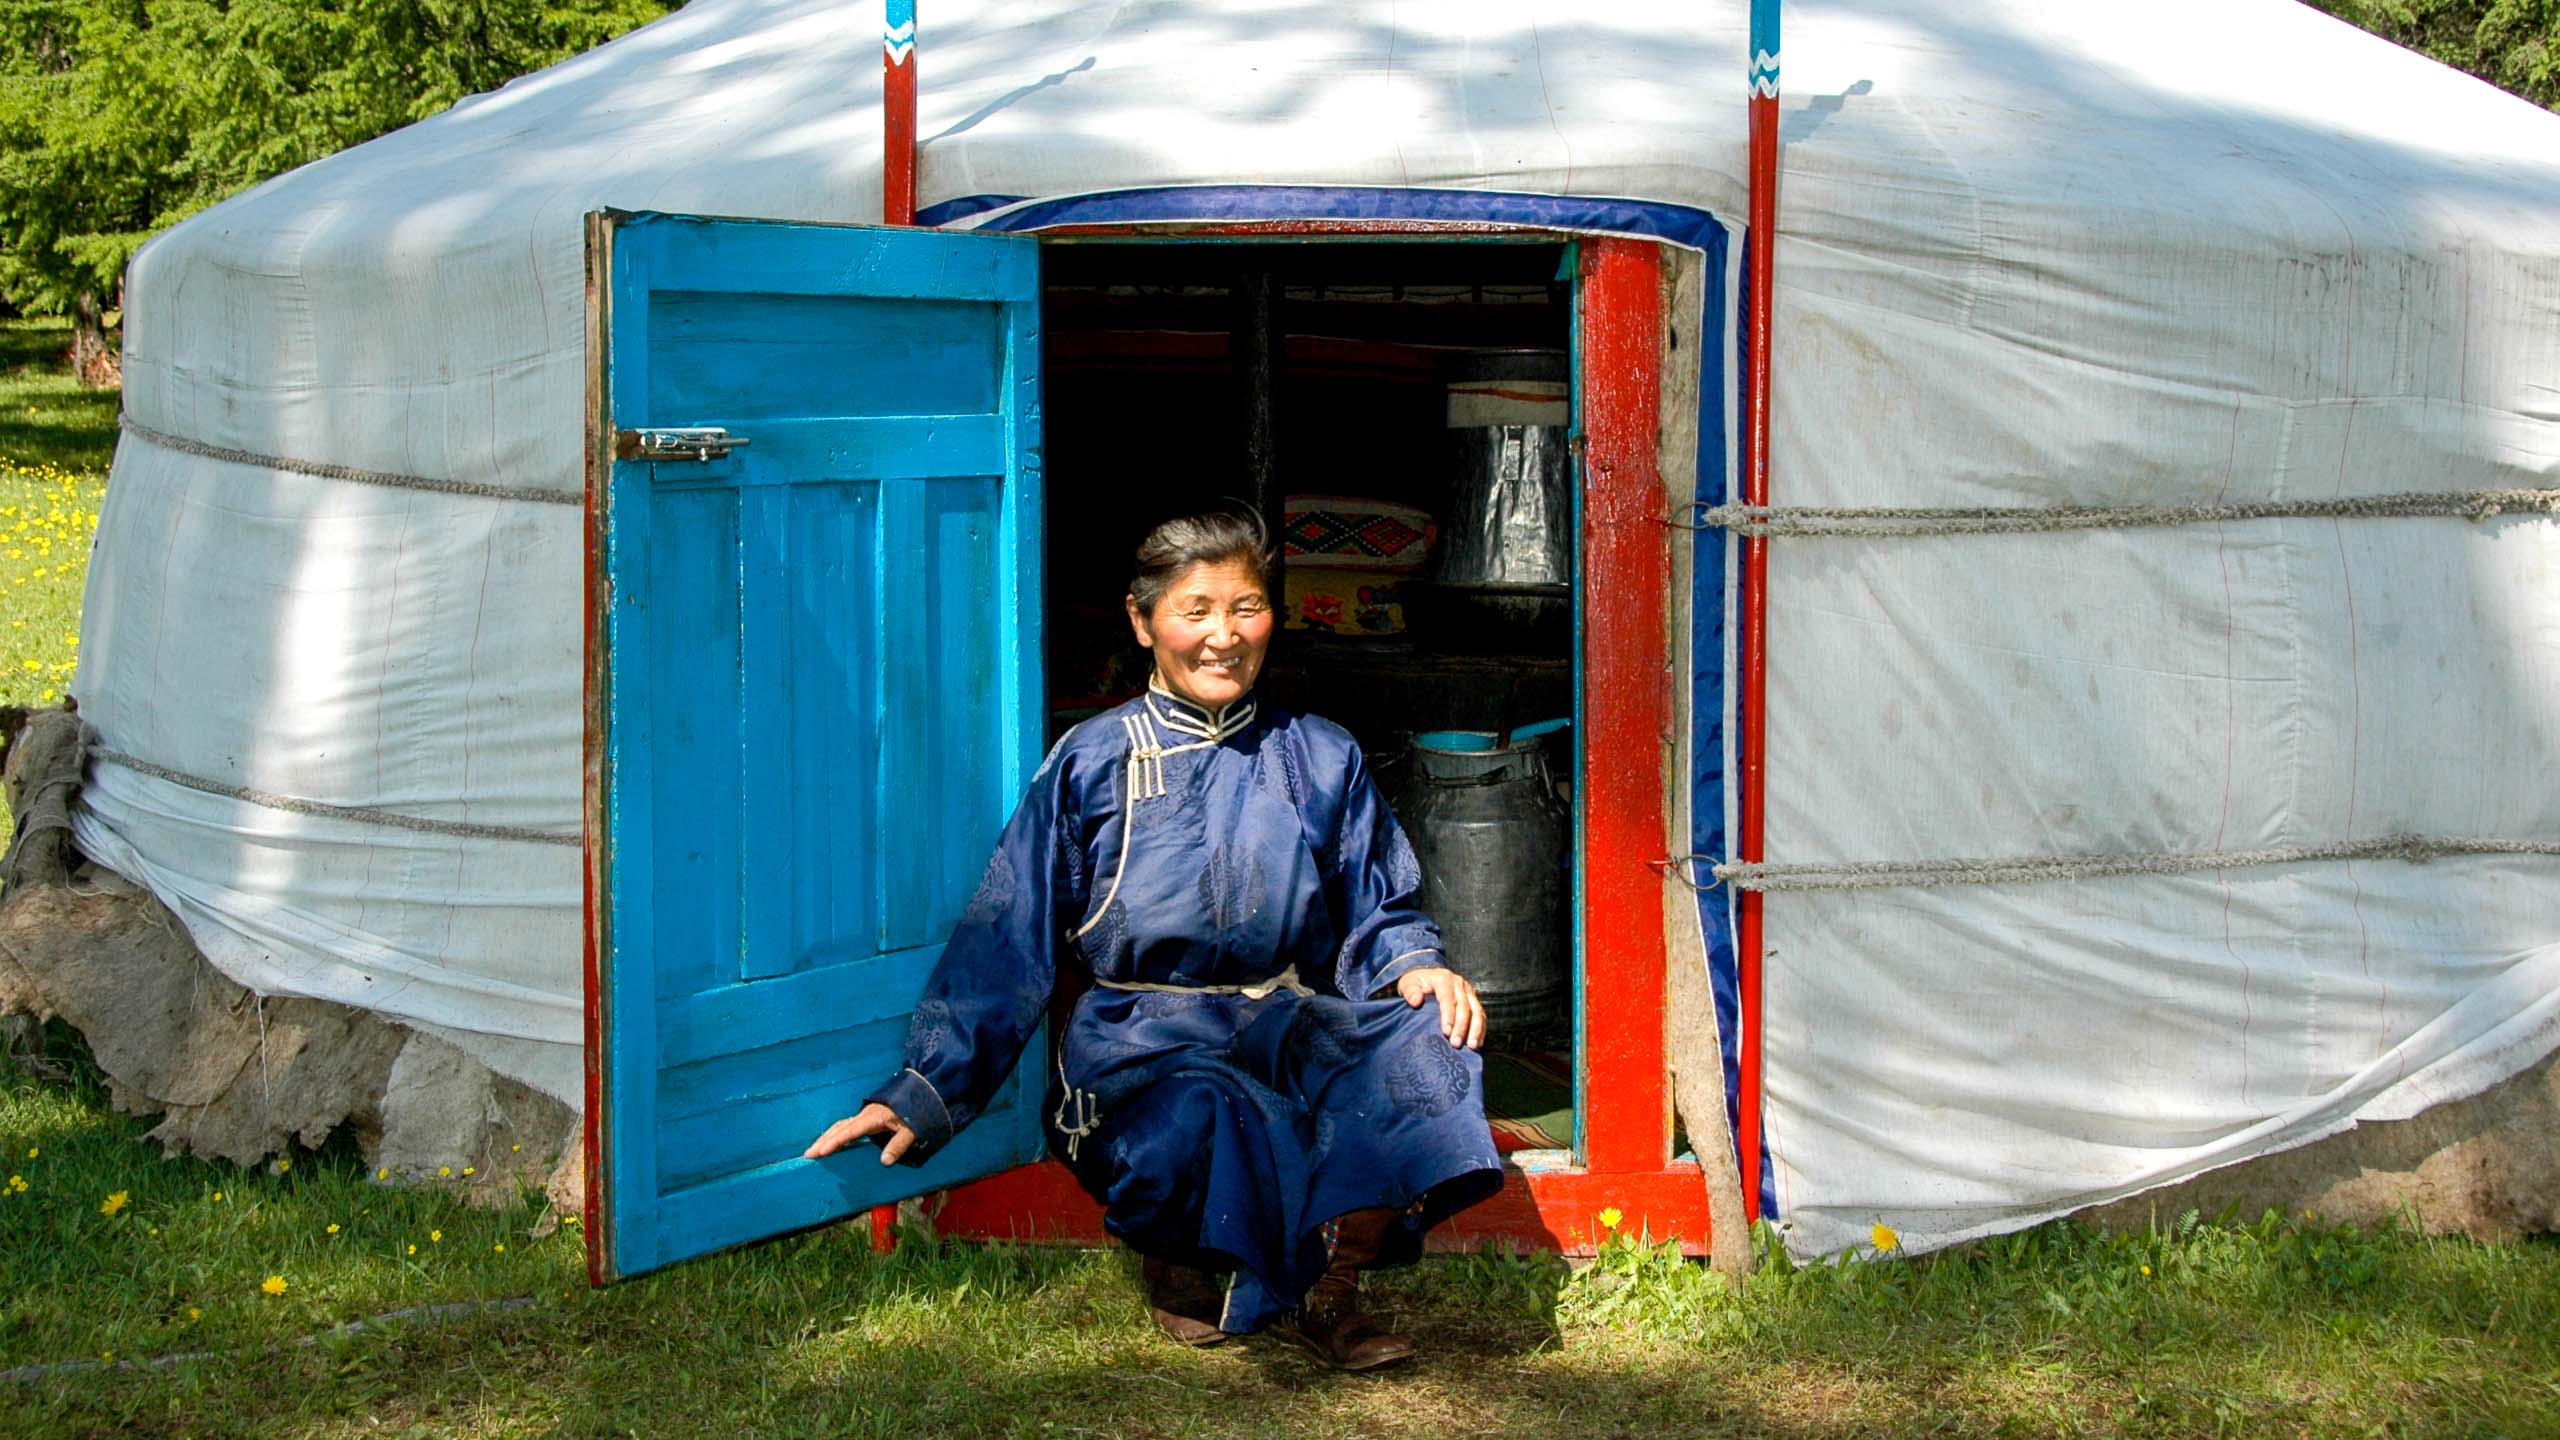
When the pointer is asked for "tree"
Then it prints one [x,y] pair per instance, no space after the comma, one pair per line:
[2512,44]
[119,118]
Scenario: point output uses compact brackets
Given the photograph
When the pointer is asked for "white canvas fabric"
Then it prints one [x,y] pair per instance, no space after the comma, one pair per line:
[2029,254]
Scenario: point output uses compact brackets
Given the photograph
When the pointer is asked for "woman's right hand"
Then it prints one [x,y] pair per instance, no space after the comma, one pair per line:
[870,1120]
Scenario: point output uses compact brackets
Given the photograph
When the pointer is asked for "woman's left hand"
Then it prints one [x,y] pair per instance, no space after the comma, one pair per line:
[1461,1011]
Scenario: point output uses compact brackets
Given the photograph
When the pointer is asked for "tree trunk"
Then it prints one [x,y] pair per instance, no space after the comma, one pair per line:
[93,358]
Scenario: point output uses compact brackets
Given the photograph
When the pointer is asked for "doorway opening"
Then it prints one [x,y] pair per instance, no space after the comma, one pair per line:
[1400,409]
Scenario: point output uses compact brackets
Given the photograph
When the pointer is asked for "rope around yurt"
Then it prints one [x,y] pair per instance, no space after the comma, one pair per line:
[295,805]
[1880,522]
[1893,522]
[328,471]
[2026,869]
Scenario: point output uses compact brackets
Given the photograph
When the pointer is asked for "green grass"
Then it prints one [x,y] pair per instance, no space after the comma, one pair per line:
[56,440]
[46,417]
[2273,1327]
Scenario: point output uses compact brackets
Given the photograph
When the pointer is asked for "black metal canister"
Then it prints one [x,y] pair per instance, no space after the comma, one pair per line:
[1494,841]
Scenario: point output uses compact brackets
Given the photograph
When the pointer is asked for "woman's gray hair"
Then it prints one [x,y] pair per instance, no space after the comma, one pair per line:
[1231,532]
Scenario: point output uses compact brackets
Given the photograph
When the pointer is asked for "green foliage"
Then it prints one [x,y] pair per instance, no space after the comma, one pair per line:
[2512,44]
[119,118]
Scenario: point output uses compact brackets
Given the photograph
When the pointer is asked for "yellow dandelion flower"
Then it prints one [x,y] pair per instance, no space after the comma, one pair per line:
[413,1249]
[571,1219]
[468,1169]
[435,1237]
[194,1314]
[333,1227]
[284,1164]
[273,1285]
[114,1202]
[382,1174]
[499,1248]
[46,698]
[1884,1238]
[444,1172]
[217,1197]
[2146,1269]
[515,1149]
[1610,1217]
[32,664]
[106,1357]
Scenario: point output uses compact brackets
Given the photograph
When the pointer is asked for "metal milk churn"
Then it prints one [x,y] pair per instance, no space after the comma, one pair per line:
[1494,842]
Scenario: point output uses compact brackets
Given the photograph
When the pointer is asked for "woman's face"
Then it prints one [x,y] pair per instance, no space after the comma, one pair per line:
[1209,633]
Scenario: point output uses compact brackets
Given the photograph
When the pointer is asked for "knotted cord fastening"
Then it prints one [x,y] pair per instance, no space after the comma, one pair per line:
[1088,1114]
[1145,769]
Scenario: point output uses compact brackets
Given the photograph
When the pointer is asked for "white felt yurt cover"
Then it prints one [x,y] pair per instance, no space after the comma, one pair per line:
[2031,254]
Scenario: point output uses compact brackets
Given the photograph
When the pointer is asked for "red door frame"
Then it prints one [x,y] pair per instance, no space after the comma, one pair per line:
[1550,1200]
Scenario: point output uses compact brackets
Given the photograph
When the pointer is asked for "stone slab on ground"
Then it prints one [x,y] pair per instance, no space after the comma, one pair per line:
[240,1077]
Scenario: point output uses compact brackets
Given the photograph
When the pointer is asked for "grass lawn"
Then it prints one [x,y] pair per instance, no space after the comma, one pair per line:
[110,1255]
[56,440]
[46,417]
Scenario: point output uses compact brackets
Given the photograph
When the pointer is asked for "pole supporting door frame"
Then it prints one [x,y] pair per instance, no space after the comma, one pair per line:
[898,113]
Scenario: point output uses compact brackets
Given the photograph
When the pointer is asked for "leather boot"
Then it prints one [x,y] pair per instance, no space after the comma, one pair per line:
[1330,1321]
[1185,1302]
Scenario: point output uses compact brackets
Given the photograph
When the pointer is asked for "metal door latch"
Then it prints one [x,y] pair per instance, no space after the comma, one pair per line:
[677,442]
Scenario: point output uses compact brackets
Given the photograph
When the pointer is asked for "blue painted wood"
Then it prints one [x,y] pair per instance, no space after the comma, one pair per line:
[820,998]
[630,1158]
[823,656]
[1764,49]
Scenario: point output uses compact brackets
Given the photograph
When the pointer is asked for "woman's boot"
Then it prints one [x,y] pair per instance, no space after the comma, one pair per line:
[1330,1321]
[1185,1302]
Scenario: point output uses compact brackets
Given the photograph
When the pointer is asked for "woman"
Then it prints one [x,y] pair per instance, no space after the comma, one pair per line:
[1273,1074]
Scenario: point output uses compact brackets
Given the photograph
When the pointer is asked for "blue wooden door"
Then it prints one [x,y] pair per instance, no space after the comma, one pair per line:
[814,504]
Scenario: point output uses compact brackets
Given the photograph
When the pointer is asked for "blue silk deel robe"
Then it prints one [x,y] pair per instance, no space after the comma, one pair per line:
[1240,897]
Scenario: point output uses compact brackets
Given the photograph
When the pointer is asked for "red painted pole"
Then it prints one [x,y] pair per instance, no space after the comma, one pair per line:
[898,154]
[1758,278]
[1627,709]
[897,207]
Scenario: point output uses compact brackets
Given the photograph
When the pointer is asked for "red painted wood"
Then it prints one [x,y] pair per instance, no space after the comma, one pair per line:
[1752,745]
[1558,1210]
[1627,726]
[599,471]
[898,169]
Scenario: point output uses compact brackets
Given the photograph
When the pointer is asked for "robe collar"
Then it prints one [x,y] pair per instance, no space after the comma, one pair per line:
[1193,722]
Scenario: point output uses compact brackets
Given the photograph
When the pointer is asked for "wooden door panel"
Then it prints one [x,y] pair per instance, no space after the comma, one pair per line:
[818,674]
